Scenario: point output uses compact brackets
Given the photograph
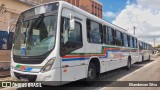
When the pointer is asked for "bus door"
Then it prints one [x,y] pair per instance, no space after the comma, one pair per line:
[72,51]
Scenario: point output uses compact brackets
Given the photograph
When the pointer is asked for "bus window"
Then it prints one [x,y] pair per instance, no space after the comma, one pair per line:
[75,35]
[118,38]
[71,35]
[125,40]
[70,39]
[94,32]
[111,36]
[135,43]
[128,38]
[122,39]
[131,42]
[105,32]
[145,46]
[141,45]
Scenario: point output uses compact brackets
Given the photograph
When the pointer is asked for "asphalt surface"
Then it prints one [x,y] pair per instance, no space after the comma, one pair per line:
[146,71]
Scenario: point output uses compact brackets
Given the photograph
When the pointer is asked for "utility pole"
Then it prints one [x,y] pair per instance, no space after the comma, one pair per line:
[134,30]
[154,42]
[135,27]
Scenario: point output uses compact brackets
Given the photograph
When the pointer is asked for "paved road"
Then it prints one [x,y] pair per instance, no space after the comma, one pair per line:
[150,72]
[146,71]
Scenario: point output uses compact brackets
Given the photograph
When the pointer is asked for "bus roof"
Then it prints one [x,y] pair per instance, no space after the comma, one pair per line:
[94,18]
[87,14]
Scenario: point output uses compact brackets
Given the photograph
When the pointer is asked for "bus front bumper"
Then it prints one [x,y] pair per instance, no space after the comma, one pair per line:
[45,78]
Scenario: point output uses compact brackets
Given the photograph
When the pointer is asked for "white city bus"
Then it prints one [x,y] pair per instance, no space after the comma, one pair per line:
[60,42]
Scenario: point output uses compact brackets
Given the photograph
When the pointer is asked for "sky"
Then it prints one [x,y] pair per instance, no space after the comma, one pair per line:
[142,14]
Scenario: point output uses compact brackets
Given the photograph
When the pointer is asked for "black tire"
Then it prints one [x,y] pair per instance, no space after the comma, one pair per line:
[91,74]
[142,58]
[128,67]
[149,57]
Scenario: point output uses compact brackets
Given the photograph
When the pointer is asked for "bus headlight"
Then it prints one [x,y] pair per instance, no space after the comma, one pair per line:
[48,65]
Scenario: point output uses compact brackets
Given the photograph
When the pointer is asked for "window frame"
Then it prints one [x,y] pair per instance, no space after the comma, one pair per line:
[125,40]
[113,35]
[135,42]
[131,42]
[62,18]
[77,43]
[88,30]
[120,33]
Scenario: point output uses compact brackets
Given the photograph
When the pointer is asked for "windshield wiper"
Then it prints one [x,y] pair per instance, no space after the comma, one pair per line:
[30,30]
[33,24]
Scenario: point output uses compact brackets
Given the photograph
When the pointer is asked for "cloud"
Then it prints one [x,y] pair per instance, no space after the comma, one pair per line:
[109,14]
[153,5]
[128,2]
[145,16]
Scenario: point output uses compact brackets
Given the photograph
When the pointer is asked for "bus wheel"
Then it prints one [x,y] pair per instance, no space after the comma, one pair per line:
[91,74]
[128,67]
[142,58]
[149,57]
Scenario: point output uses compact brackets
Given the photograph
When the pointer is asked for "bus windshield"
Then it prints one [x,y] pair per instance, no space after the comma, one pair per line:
[35,37]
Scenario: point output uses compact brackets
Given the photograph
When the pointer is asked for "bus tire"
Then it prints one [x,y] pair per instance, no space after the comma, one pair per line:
[142,58]
[149,57]
[91,74]
[128,67]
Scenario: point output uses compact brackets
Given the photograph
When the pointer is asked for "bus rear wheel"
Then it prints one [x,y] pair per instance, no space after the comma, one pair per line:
[128,67]
[142,58]
[91,74]
[149,57]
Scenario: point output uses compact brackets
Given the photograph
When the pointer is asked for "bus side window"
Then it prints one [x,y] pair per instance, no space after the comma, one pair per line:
[71,40]
[135,43]
[94,32]
[105,35]
[131,42]
[125,40]
[118,38]
[76,35]
[111,36]
[122,39]
[128,39]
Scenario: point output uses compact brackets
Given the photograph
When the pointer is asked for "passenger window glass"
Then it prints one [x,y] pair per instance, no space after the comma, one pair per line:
[71,40]
[111,36]
[131,42]
[125,40]
[94,32]
[118,38]
[75,35]
[135,43]
[106,35]
[71,35]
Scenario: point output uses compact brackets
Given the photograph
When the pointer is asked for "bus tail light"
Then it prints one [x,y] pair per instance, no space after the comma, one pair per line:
[48,65]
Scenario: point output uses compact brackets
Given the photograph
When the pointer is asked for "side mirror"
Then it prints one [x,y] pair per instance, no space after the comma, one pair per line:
[72,22]
[8,31]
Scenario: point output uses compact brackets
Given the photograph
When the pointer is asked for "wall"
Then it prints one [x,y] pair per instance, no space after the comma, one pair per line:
[14,8]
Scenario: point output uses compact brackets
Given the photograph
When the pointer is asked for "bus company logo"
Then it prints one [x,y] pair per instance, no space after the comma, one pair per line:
[20,85]
[6,84]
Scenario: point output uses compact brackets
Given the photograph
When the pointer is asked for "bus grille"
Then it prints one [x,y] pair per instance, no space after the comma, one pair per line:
[31,78]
